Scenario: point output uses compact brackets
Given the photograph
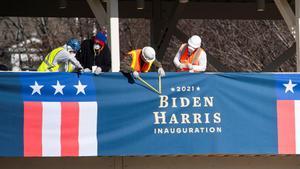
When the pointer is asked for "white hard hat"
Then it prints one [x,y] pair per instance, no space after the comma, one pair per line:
[195,41]
[148,54]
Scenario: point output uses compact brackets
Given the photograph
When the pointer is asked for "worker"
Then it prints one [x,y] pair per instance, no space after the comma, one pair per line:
[95,54]
[62,59]
[141,60]
[191,57]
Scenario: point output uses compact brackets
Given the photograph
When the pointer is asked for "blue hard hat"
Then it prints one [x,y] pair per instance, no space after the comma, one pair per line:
[100,38]
[74,44]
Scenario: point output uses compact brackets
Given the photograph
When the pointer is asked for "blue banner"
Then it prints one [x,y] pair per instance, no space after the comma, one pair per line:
[67,114]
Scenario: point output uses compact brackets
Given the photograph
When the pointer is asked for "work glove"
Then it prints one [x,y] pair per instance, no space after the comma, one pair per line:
[98,71]
[161,72]
[136,74]
[190,66]
[87,70]
[181,66]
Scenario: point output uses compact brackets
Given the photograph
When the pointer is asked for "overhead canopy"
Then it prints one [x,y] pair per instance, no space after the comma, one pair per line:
[196,9]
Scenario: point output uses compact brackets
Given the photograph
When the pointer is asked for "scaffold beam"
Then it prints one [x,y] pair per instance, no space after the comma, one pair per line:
[287,14]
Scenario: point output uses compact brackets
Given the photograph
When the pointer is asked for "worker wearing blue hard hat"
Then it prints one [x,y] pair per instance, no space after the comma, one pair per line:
[95,54]
[62,59]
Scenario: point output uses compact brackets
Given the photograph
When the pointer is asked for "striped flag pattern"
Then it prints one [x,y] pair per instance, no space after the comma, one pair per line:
[60,129]
[60,116]
[288,114]
[288,121]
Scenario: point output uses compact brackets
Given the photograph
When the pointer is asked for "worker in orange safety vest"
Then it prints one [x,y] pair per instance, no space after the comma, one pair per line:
[190,56]
[141,60]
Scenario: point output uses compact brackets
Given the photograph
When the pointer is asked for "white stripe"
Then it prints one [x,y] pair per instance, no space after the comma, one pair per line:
[51,129]
[297,125]
[88,144]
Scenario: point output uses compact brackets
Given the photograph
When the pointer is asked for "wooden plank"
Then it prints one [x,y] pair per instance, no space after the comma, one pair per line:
[58,162]
[118,162]
[213,162]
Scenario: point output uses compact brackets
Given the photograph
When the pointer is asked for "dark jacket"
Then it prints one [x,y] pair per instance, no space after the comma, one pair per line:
[86,56]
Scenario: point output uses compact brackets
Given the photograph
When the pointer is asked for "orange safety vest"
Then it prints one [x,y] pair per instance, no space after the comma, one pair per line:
[185,58]
[137,63]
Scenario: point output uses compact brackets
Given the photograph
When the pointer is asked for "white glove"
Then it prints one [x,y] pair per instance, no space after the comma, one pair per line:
[190,66]
[136,74]
[98,71]
[161,72]
[181,66]
[87,70]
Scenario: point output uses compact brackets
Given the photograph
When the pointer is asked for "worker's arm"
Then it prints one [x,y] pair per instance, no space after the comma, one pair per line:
[176,59]
[203,62]
[160,71]
[64,56]
[177,62]
[126,65]
[75,62]
[157,63]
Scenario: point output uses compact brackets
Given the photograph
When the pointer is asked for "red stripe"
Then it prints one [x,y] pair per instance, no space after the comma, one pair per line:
[33,129]
[286,126]
[69,128]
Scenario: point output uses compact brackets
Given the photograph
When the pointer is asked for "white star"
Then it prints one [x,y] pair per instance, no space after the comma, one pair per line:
[58,88]
[198,88]
[289,87]
[80,88]
[172,89]
[36,88]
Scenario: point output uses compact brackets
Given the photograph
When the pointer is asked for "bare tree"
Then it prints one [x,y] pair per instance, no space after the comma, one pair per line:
[240,45]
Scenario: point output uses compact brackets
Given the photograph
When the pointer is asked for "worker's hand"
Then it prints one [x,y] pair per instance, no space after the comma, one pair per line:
[181,66]
[161,72]
[136,74]
[190,66]
[98,71]
[87,70]
[78,69]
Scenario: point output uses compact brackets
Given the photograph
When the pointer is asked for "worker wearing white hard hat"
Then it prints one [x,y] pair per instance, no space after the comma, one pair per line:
[190,56]
[141,60]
